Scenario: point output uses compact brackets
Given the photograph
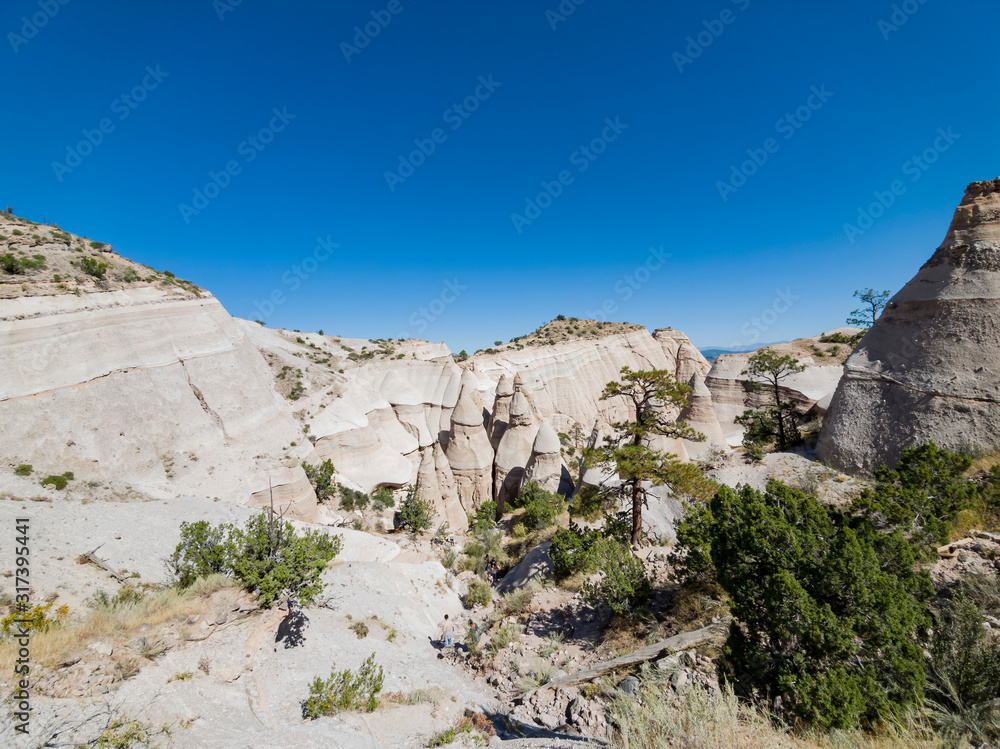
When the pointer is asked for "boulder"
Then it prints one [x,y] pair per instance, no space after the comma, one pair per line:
[537,564]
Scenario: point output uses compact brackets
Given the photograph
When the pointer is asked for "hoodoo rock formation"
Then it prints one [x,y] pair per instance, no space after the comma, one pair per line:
[700,415]
[927,369]
[500,417]
[545,466]
[469,451]
[514,451]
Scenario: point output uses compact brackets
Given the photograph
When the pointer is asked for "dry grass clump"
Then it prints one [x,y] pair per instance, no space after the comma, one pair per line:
[541,674]
[699,720]
[517,601]
[114,620]
[503,635]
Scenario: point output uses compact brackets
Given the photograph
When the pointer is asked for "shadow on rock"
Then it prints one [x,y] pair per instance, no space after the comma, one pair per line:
[292,629]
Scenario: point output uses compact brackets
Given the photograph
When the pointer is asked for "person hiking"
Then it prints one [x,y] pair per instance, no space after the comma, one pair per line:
[447,632]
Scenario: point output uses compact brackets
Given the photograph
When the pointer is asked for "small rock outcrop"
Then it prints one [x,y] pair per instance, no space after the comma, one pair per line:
[928,369]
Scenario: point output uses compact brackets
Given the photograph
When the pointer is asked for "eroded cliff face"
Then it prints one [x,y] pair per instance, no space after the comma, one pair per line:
[142,389]
[927,370]
[144,386]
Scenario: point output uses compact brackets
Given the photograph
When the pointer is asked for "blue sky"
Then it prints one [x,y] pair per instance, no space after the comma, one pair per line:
[704,157]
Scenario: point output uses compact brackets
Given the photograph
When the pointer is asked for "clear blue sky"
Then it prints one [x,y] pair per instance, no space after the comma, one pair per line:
[442,243]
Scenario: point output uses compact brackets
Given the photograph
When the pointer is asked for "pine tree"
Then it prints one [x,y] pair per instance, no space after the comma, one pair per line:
[766,370]
[651,396]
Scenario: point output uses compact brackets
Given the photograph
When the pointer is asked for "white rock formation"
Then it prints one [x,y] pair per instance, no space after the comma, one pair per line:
[469,452]
[565,380]
[146,387]
[514,452]
[809,390]
[545,466]
[927,370]
[500,414]
[700,415]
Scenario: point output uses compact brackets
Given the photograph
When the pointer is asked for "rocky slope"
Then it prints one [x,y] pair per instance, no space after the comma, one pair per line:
[811,390]
[926,371]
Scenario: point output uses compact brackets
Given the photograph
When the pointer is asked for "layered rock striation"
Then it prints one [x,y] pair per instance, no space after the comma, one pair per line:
[928,370]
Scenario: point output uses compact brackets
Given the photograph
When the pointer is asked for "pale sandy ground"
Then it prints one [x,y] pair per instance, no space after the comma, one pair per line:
[253,693]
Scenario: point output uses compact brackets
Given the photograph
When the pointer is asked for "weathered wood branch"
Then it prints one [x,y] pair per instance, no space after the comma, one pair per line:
[663,648]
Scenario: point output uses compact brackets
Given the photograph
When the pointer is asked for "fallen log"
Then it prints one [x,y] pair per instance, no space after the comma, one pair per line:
[90,557]
[663,648]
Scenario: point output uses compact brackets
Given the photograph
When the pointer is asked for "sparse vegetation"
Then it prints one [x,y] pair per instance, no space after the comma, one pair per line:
[516,602]
[841,338]
[415,514]
[11,264]
[478,594]
[267,555]
[24,469]
[382,499]
[473,723]
[541,507]
[36,619]
[93,267]
[58,482]
[345,690]
[503,635]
